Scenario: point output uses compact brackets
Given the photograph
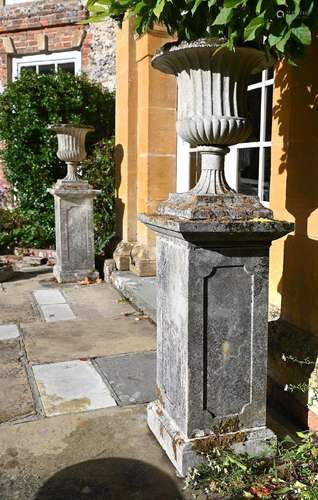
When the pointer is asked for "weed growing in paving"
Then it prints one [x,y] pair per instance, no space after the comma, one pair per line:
[290,473]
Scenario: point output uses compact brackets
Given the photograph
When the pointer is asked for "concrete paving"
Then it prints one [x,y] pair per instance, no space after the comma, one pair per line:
[131,376]
[96,301]
[100,455]
[71,387]
[46,343]
[16,401]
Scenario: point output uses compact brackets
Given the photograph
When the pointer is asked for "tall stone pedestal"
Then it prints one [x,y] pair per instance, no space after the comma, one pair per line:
[212,335]
[74,227]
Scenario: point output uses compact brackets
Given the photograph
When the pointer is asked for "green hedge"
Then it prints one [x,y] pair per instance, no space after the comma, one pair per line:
[27,106]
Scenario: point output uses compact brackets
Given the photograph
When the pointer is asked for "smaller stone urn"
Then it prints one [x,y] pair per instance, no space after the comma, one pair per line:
[71,147]
[73,199]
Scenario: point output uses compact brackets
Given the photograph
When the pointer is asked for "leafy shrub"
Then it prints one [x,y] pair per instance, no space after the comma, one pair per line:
[290,473]
[25,228]
[283,27]
[98,169]
[27,106]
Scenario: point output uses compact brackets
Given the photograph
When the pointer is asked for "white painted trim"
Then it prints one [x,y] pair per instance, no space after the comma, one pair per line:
[183,165]
[53,58]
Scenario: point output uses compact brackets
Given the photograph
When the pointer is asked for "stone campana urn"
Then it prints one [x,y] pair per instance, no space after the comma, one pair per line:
[212,115]
[73,200]
[71,147]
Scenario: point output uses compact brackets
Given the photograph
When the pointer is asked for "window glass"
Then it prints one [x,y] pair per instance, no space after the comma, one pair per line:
[254,103]
[255,78]
[248,171]
[28,68]
[45,69]
[267,173]
[269,110]
[68,67]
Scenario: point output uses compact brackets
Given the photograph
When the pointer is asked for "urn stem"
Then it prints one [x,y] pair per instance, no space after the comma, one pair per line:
[72,172]
[212,179]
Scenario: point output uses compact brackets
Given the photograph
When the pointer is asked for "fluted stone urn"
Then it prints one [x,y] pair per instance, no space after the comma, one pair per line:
[73,198]
[71,147]
[212,115]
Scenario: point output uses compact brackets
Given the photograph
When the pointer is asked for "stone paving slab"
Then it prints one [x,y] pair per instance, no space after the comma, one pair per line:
[71,387]
[106,454]
[16,400]
[57,312]
[132,377]
[8,332]
[69,340]
[49,297]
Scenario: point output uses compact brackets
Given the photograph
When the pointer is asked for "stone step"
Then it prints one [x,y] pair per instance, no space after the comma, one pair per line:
[80,339]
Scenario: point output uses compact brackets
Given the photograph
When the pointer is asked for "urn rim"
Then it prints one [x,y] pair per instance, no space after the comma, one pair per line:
[169,49]
[65,126]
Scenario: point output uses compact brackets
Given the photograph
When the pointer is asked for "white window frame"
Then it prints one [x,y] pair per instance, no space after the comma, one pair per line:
[53,58]
[233,158]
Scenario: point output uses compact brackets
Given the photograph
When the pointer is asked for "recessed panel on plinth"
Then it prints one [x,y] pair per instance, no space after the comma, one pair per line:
[74,226]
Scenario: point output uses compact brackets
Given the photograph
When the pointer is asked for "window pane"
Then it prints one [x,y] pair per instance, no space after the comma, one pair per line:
[255,78]
[27,68]
[269,111]
[46,69]
[267,174]
[195,168]
[68,67]
[270,73]
[254,107]
[248,170]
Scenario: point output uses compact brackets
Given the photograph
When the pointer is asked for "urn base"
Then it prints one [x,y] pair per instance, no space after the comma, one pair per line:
[230,206]
[74,275]
[185,453]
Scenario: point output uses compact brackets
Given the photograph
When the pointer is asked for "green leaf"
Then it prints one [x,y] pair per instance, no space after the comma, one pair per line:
[259,6]
[235,461]
[196,5]
[223,17]
[160,5]
[303,34]
[233,3]
[253,27]
[273,39]
[283,41]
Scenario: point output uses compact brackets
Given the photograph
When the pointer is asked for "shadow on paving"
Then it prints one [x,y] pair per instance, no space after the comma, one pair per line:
[110,479]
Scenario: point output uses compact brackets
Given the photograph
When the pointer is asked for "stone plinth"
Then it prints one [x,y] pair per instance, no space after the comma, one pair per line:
[74,228]
[211,335]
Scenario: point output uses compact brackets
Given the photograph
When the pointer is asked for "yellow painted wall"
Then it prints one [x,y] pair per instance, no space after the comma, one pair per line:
[294,191]
[145,132]
[126,133]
